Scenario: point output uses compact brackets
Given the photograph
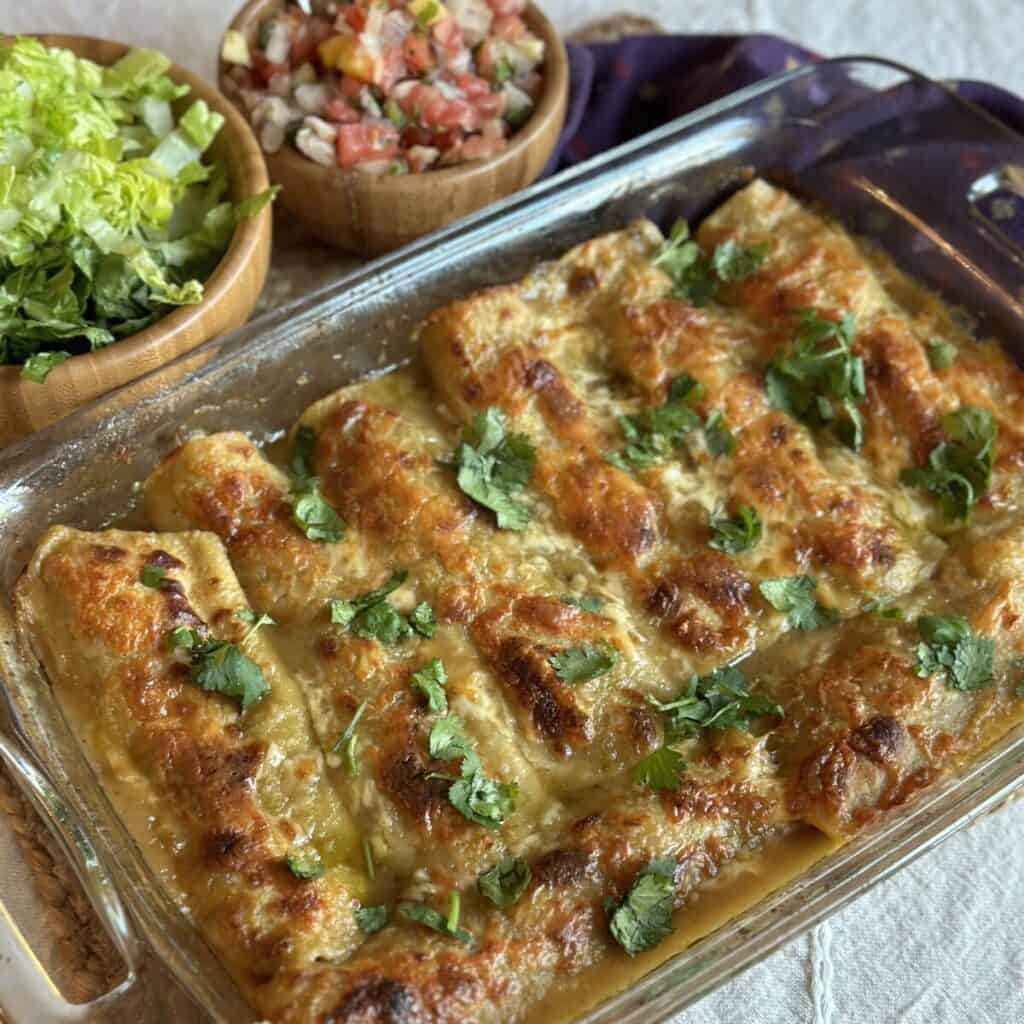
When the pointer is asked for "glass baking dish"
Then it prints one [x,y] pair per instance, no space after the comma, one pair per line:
[901,159]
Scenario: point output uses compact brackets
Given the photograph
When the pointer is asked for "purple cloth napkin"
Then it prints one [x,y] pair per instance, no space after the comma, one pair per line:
[621,90]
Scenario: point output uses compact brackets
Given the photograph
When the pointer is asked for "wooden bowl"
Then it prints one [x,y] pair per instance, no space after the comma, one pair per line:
[230,293]
[371,214]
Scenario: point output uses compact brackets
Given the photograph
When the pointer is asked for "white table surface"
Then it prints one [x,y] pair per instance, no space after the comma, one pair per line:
[943,941]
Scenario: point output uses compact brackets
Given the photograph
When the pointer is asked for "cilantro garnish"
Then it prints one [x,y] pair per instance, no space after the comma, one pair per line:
[473,794]
[482,799]
[941,353]
[651,435]
[819,380]
[737,534]
[734,262]
[959,469]
[503,71]
[720,700]
[492,465]
[254,622]
[661,769]
[586,602]
[38,366]
[373,617]
[315,517]
[585,662]
[644,917]
[506,882]
[153,576]
[346,742]
[371,919]
[371,871]
[220,667]
[430,681]
[422,620]
[695,278]
[950,647]
[430,918]
[183,637]
[719,437]
[884,608]
[310,510]
[794,595]
[305,868]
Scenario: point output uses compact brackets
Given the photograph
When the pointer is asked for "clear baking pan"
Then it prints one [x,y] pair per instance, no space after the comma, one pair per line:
[902,159]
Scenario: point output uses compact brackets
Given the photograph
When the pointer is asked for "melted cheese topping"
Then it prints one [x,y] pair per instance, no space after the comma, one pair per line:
[581,342]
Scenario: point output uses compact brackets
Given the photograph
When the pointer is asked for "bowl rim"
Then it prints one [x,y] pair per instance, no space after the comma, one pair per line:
[245,240]
[555,88]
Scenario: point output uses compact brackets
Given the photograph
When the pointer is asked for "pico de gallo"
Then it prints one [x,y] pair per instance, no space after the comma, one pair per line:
[389,86]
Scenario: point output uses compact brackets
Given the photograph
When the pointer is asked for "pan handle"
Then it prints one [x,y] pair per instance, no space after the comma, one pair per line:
[27,993]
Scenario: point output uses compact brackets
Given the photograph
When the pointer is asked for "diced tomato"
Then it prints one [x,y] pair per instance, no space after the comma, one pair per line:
[357,142]
[303,48]
[416,135]
[393,70]
[341,111]
[509,27]
[264,70]
[354,16]
[447,141]
[417,53]
[478,148]
[350,87]
[473,85]
[501,7]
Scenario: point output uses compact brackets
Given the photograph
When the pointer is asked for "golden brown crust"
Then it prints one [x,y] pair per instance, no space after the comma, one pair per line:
[617,561]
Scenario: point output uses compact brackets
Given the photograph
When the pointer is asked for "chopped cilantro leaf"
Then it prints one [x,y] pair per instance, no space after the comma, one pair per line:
[371,919]
[795,595]
[422,620]
[430,918]
[503,71]
[585,662]
[737,534]
[449,740]
[734,262]
[346,742]
[315,517]
[506,882]
[661,769]
[184,637]
[586,602]
[37,367]
[819,375]
[720,700]
[153,576]
[644,917]
[651,435]
[695,278]
[305,868]
[300,465]
[310,510]
[482,799]
[941,354]
[372,617]
[473,794]
[492,465]
[430,681]
[884,608]
[950,647]
[222,668]
[959,469]
[719,437]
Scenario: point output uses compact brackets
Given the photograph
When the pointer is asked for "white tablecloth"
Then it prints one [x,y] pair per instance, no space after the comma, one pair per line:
[943,941]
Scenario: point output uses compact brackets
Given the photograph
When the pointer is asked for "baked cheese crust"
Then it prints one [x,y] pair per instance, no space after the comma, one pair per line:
[616,561]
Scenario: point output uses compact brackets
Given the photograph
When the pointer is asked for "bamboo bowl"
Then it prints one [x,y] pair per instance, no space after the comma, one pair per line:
[370,214]
[230,293]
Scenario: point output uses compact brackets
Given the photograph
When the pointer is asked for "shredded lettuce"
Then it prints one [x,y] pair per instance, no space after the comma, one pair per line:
[108,215]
